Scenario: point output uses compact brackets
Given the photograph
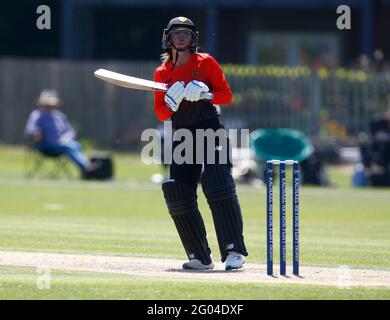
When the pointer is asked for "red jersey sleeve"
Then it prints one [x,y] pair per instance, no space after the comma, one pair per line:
[160,108]
[220,87]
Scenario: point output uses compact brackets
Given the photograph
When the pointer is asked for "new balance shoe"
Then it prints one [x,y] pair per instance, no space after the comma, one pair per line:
[234,260]
[195,264]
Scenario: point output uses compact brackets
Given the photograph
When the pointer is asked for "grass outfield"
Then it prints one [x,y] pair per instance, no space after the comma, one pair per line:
[127,217]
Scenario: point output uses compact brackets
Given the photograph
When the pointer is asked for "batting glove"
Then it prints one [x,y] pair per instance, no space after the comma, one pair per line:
[174,96]
[194,89]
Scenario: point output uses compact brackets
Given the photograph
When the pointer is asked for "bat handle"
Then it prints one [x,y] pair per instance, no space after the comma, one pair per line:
[206,95]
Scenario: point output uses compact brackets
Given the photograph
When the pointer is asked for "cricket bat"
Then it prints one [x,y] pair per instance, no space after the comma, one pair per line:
[122,80]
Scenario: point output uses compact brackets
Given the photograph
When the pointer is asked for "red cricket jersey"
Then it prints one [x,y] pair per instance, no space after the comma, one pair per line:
[201,67]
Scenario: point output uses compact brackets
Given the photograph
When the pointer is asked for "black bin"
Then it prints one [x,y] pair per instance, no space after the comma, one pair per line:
[105,170]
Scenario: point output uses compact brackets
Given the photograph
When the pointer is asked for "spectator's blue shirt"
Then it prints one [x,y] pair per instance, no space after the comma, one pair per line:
[52,125]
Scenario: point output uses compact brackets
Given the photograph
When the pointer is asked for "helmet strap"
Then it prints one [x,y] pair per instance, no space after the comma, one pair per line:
[177,54]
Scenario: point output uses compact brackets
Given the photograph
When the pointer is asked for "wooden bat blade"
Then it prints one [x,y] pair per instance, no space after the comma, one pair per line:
[136,83]
[129,82]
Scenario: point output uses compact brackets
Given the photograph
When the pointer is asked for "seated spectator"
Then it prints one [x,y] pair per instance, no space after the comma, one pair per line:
[375,150]
[380,125]
[51,132]
[380,132]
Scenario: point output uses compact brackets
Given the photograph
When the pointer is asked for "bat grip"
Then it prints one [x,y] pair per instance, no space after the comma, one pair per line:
[206,95]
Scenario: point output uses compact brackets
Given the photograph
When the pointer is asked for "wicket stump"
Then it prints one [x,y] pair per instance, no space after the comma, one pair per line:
[295,214]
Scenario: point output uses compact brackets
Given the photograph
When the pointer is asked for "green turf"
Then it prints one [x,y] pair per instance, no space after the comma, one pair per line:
[127,217]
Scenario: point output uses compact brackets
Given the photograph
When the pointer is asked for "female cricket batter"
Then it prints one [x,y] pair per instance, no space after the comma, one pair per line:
[189,74]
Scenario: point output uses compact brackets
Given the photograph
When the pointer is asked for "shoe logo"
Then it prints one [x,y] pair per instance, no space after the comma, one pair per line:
[192,256]
[230,246]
